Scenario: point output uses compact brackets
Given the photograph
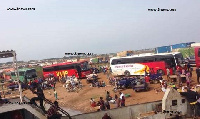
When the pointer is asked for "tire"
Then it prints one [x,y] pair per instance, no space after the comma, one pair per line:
[161,71]
[127,73]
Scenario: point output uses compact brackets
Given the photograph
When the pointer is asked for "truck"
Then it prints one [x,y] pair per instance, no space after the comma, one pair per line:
[196,47]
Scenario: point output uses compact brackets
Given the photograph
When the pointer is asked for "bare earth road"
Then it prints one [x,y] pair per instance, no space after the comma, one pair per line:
[80,101]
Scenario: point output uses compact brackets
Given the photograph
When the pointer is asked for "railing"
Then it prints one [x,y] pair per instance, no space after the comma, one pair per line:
[49,102]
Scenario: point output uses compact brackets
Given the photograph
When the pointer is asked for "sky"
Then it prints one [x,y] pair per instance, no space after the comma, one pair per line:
[57,27]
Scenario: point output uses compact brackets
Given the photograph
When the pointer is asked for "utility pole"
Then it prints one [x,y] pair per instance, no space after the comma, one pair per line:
[17,74]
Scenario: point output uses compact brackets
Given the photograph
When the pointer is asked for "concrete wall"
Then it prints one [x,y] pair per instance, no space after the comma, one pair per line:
[129,112]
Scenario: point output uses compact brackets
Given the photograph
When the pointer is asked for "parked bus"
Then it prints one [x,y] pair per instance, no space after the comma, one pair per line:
[25,75]
[79,69]
[143,63]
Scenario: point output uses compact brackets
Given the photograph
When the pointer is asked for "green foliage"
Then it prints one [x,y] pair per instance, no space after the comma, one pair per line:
[39,71]
[187,52]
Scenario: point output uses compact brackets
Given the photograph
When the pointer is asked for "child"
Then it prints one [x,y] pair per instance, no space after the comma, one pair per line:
[55,94]
[92,102]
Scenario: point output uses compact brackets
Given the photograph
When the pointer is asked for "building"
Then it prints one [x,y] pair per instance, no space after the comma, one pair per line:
[124,53]
[163,49]
[171,48]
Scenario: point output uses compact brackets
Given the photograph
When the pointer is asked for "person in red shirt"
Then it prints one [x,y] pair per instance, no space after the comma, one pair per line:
[52,112]
[36,80]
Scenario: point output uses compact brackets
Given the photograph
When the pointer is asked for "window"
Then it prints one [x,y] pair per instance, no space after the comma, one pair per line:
[183,100]
[21,73]
[31,73]
[66,67]
[114,61]
[48,69]
[56,68]
[149,59]
[12,73]
[138,60]
[174,102]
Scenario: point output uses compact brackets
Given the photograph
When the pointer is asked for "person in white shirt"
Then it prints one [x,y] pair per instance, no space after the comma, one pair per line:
[121,94]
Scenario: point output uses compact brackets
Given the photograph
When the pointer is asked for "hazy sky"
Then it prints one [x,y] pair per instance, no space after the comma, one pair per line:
[94,26]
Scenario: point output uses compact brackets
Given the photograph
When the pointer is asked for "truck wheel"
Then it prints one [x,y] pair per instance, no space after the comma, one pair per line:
[127,73]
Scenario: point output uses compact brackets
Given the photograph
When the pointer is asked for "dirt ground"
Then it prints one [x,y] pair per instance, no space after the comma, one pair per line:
[81,101]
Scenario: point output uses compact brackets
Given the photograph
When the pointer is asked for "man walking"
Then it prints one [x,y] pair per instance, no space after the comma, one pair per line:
[40,97]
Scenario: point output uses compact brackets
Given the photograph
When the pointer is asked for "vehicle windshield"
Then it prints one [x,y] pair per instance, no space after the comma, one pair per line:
[31,73]
[179,58]
[21,73]
[84,66]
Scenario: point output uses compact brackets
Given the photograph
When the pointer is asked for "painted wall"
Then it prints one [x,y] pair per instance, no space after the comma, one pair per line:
[129,112]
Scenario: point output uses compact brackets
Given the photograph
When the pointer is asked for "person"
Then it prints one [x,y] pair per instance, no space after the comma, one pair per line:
[188,66]
[40,80]
[117,101]
[78,68]
[178,76]
[101,104]
[108,73]
[107,105]
[106,116]
[92,102]
[40,97]
[198,73]
[188,79]
[121,94]
[55,94]
[191,69]
[1,100]
[183,71]
[191,97]
[123,101]
[103,84]
[52,112]
[108,97]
